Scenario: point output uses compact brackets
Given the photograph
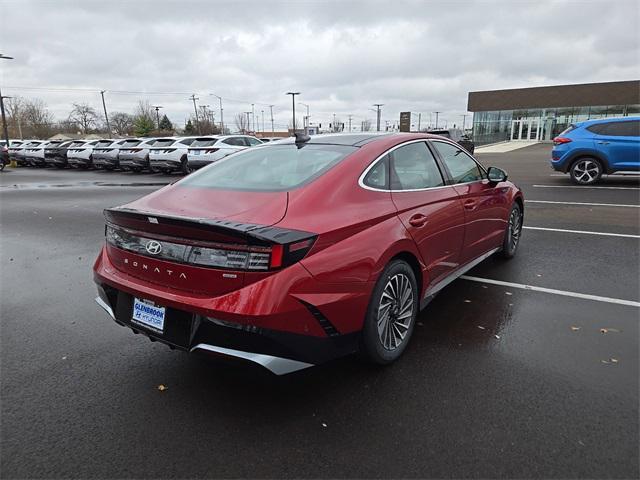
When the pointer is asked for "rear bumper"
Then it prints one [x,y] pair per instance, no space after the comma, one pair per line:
[133,161]
[284,322]
[104,161]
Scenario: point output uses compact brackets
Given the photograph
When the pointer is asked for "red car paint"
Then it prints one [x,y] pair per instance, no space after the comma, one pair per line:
[357,231]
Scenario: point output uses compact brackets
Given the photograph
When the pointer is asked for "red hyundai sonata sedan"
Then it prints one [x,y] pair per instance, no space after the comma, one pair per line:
[306,249]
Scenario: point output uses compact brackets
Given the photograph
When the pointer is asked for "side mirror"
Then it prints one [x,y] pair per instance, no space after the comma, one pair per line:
[496,175]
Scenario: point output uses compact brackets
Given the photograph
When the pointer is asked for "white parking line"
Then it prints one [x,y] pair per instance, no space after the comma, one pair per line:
[584,232]
[553,291]
[582,188]
[584,204]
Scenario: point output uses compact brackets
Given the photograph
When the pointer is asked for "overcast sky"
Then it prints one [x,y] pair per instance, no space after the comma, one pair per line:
[343,55]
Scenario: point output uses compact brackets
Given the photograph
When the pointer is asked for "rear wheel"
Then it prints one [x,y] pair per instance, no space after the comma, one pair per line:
[391,314]
[513,232]
[184,166]
[586,171]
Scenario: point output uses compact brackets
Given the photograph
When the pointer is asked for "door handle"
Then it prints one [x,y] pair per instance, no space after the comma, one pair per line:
[418,220]
[470,204]
[603,143]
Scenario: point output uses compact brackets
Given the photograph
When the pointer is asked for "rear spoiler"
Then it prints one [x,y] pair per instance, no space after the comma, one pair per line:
[202,228]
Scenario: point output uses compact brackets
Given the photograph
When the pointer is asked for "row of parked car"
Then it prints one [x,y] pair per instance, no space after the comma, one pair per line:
[165,154]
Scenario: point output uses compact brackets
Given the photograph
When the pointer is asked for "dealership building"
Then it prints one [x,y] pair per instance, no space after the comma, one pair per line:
[540,113]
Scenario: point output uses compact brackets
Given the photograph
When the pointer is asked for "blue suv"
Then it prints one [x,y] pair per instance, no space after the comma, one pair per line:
[588,149]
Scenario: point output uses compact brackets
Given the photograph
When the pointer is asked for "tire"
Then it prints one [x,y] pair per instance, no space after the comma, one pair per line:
[513,232]
[166,171]
[384,342]
[586,171]
[184,166]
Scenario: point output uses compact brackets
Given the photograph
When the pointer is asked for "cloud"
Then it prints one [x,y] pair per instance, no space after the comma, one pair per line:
[342,55]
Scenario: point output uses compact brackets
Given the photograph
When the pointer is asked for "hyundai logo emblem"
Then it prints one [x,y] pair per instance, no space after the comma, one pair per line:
[153,247]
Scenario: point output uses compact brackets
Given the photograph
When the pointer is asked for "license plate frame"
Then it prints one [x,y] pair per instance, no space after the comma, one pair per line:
[148,314]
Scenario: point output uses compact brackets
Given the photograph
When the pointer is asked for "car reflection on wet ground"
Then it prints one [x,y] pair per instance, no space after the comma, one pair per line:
[500,380]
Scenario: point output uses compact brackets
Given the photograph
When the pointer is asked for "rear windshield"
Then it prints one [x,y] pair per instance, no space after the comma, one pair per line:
[130,143]
[165,142]
[104,143]
[76,144]
[204,142]
[270,168]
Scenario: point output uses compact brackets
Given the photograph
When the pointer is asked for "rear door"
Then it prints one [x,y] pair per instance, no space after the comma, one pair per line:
[619,142]
[429,209]
[485,204]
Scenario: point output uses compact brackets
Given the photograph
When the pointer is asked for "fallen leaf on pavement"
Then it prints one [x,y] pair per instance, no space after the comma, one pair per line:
[607,330]
[480,327]
[574,328]
[162,388]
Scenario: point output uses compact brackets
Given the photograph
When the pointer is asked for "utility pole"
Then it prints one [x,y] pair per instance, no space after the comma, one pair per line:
[106,117]
[419,120]
[195,109]
[350,117]
[157,107]
[378,105]
[271,109]
[293,105]
[464,122]
[221,117]
[306,122]
[437,113]
[4,118]
[335,129]
[262,111]
[248,122]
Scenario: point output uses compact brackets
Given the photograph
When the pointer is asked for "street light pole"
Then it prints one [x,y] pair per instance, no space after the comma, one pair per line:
[271,109]
[437,113]
[221,117]
[378,105]
[306,122]
[464,122]
[262,112]
[248,122]
[293,105]
[157,107]
[350,116]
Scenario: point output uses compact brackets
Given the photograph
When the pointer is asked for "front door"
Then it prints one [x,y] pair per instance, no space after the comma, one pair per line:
[431,211]
[485,204]
[516,126]
[619,142]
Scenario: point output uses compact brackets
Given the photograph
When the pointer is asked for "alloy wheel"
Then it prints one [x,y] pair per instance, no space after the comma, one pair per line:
[586,171]
[395,311]
[515,228]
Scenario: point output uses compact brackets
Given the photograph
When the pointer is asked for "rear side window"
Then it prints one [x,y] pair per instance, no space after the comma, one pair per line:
[253,141]
[621,129]
[378,176]
[269,169]
[130,143]
[567,130]
[413,167]
[462,167]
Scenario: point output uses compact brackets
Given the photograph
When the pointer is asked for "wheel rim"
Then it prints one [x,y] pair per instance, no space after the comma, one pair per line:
[515,228]
[395,311]
[586,171]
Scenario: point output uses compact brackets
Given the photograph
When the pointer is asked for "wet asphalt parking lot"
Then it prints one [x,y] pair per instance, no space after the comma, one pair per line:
[498,381]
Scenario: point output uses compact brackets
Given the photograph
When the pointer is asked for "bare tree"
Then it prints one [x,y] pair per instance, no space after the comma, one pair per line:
[14,108]
[38,121]
[84,116]
[121,123]
[241,122]
[366,125]
[145,111]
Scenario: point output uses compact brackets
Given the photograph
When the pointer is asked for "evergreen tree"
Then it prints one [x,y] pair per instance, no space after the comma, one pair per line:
[165,124]
[189,129]
[143,126]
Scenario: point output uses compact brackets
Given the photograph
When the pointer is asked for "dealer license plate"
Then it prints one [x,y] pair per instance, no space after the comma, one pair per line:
[148,315]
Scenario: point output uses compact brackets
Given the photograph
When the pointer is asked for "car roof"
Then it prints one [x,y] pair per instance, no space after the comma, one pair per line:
[606,120]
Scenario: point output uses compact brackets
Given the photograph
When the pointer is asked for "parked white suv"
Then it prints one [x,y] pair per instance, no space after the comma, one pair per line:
[206,150]
[79,153]
[169,155]
[136,157]
[34,154]
[107,157]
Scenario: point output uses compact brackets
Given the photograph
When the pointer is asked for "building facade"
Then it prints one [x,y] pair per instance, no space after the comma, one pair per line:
[541,113]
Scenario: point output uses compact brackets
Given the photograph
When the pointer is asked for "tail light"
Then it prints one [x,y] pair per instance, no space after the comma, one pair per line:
[211,150]
[561,140]
[211,254]
[134,150]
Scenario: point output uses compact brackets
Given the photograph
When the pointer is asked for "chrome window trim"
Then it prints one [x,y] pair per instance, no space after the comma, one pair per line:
[387,152]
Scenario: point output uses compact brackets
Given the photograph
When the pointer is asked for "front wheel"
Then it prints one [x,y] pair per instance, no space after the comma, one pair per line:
[586,171]
[513,232]
[391,314]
